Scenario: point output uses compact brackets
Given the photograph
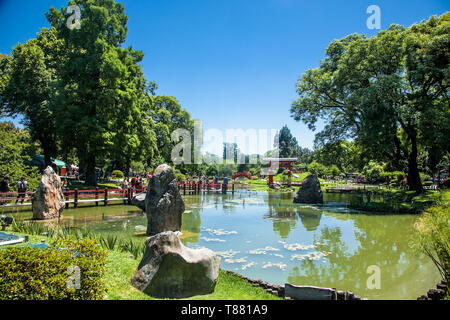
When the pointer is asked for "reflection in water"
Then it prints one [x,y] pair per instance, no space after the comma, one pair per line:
[380,243]
[310,218]
[191,225]
[266,236]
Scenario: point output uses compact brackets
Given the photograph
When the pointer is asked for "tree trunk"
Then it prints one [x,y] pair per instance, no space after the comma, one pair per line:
[127,167]
[414,182]
[48,150]
[397,156]
[47,159]
[91,176]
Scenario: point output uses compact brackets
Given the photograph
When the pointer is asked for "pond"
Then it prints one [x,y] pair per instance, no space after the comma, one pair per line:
[265,236]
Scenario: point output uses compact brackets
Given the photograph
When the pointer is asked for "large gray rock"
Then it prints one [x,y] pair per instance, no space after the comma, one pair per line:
[139,200]
[309,191]
[48,200]
[163,202]
[170,270]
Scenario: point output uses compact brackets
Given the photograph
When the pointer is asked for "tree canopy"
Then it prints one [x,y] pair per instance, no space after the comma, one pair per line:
[16,150]
[389,93]
[80,92]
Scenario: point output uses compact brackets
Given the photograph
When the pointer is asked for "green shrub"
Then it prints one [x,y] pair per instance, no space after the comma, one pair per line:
[432,237]
[424,177]
[180,177]
[254,171]
[28,273]
[284,178]
[118,174]
[317,169]
[373,171]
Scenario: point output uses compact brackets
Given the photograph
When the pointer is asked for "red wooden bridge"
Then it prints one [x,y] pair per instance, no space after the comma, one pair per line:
[241,174]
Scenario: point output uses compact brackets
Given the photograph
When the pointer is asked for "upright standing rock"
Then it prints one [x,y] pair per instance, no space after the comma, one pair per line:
[310,191]
[168,269]
[48,200]
[163,202]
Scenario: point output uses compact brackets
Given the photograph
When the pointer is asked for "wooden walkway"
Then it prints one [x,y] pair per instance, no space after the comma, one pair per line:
[351,189]
[198,188]
[75,197]
[106,196]
[292,183]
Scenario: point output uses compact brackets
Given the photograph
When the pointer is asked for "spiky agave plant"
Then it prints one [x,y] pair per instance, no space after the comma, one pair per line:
[109,242]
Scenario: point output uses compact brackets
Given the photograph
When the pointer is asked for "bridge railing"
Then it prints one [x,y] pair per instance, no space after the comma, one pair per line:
[14,195]
[75,196]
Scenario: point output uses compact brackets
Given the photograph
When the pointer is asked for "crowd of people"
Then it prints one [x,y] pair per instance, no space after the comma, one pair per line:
[140,181]
[135,182]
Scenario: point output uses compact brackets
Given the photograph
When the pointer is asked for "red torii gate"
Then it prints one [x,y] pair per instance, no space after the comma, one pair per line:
[282,162]
[241,174]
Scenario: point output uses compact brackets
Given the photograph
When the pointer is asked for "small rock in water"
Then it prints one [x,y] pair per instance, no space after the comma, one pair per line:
[310,191]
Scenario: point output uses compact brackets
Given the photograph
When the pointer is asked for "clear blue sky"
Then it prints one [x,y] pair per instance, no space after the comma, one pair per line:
[233,63]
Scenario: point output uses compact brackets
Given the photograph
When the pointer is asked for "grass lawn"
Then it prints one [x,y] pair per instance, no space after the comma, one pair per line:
[261,185]
[120,267]
[81,186]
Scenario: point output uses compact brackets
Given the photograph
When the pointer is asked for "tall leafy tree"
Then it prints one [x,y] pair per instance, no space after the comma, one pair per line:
[28,83]
[16,149]
[384,92]
[288,144]
[168,116]
[100,106]
[347,156]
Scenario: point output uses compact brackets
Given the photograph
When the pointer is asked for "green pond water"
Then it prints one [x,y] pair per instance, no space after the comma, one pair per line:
[265,236]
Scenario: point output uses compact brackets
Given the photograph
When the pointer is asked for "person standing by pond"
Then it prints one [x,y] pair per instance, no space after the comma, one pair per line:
[22,189]
[4,188]
[63,185]
[125,183]
[133,182]
[225,185]
[140,184]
